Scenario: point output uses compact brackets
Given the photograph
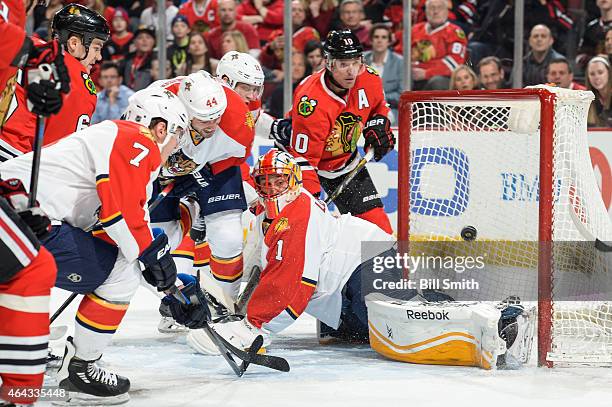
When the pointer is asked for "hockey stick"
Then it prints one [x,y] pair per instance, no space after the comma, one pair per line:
[227,350]
[599,244]
[45,71]
[152,207]
[350,176]
[246,294]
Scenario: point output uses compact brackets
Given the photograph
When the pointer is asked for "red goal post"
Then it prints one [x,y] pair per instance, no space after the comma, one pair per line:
[519,115]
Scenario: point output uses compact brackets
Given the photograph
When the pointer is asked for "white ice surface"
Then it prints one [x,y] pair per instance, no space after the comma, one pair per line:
[165,372]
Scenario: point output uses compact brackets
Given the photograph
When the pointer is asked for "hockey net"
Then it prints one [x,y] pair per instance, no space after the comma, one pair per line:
[513,166]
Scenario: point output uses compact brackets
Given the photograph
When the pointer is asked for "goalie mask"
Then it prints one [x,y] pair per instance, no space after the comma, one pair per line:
[278,181]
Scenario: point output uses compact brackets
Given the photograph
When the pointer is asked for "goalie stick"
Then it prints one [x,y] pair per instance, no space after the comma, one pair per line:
[158,199]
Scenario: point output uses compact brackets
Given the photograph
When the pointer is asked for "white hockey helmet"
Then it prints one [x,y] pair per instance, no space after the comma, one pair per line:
[240,67]
[151,103]
[203,96]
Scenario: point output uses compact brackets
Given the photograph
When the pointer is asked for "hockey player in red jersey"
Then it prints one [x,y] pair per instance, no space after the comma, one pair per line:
[103,175]
[331,109]
[27,270]
[312,260]
[82,33]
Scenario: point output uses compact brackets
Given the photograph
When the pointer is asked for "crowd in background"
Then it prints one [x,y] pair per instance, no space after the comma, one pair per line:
[456,44]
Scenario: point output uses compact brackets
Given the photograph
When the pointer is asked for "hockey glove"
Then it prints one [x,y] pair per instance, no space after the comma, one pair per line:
[198,230]
[191,310]
[280,132]
[378,135]
[186,184]
[44,97]
[14,192]
[157,265]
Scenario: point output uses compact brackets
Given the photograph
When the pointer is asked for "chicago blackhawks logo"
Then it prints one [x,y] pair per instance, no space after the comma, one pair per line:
[250,121]
[372,70]
[74,10]
[424,51]
[344,136]
[179,164]
[306,107]
[89,84]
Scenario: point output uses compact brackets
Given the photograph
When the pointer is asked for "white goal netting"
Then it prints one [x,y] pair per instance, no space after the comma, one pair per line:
[475,166]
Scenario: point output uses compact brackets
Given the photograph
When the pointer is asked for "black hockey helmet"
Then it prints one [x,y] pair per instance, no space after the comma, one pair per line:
[78,20]
[342,44]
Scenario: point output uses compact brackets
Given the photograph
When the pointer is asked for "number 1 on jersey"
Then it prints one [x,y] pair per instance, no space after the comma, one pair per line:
[279,250]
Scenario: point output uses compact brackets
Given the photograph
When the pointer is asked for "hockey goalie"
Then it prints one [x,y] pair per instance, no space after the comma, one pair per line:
[315,264]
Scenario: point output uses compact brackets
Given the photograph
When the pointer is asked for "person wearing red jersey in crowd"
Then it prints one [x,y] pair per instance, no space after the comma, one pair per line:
[438,47]
[27,270]
[82,32]
[137,65]
[208,165]
[265,15]
[101,178]
[201,14]
[313,262]
[331,109]
[228,22]
[272,54]
[120,43]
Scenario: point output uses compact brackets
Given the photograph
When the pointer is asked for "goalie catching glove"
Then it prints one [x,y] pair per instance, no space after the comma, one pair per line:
[191,310]
[157,265]
[14,192]
[378,135]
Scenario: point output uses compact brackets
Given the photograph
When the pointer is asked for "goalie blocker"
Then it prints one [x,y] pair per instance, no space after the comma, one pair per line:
[450,333]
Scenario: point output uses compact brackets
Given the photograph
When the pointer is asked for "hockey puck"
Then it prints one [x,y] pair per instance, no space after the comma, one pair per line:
[468,233]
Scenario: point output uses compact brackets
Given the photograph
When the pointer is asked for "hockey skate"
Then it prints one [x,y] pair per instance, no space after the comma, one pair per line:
[89,384]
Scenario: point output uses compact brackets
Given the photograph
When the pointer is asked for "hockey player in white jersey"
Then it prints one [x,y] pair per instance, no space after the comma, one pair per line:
[319,264]
[101,178]
[208,165]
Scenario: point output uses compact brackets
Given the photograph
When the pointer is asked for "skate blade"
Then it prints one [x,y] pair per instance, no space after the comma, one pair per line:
[82,399]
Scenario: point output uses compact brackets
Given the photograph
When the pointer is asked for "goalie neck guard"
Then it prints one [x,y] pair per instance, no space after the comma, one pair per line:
[278,181]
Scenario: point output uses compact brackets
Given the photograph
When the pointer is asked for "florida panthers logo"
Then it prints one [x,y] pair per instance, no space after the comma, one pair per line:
[179,164]
[344,136]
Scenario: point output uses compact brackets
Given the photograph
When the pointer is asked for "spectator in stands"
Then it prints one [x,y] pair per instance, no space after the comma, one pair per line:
[266,15]
[233,41]
[99,7]
[463,78]
[352,18]
[491,73]
[177,51]
[120,43]
[272,53]
[113,100]
[137,66]
[438,47]
[228,22]
[197,55]
[540,54]
[44,15]
[608,42]
[592,42]
[201,14]
[560,73]
[298,72]
[321,14]
[494,32]
[155,69]
[387,63]
[149,16]
[313,50]
[599,81]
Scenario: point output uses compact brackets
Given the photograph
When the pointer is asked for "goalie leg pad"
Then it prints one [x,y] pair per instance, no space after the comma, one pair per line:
[456,334]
